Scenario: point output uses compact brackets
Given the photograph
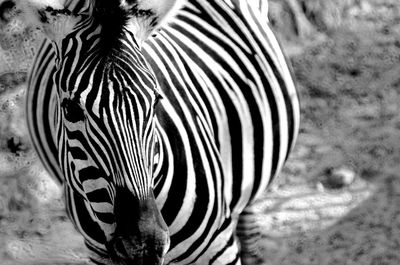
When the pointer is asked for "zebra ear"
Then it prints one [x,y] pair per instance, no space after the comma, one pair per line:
[149,15]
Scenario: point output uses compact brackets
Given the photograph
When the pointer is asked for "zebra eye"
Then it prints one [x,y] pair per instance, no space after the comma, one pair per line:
[72,111]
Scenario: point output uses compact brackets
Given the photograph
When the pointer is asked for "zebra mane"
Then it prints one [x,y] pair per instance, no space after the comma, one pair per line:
[112,18]
[142,17]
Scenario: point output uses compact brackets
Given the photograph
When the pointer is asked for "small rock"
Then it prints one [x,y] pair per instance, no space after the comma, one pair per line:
[339,177]
[320,187]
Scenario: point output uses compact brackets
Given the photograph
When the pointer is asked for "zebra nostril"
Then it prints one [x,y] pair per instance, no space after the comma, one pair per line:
[116,249]
[127,250]
[120,249]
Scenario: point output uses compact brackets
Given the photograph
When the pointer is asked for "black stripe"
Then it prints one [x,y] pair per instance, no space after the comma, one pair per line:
[221,252]
[99,195]
[227,222]
[90,226]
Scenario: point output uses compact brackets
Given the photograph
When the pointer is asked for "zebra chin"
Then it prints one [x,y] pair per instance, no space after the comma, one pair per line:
[141,236]
[125,252]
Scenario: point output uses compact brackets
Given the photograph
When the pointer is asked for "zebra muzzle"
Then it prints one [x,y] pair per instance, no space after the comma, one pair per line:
[141,236]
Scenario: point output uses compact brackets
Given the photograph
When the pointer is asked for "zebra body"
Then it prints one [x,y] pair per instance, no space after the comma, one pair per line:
[225,116]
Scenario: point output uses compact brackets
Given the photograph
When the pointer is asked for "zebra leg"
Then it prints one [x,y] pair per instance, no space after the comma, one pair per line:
[249,234]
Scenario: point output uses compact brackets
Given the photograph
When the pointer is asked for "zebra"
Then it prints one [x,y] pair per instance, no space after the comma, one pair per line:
[163,121]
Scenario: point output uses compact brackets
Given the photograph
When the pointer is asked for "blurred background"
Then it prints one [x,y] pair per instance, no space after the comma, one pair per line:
[338,198]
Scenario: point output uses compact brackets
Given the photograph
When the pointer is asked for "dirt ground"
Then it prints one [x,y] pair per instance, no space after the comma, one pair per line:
[338,199]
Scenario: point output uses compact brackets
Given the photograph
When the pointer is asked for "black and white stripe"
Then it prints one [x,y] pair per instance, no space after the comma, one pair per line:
[226,121]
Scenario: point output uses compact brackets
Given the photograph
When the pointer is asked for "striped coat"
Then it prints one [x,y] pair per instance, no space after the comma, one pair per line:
[225,117]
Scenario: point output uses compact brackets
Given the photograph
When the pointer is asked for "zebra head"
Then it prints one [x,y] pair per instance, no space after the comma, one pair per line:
[105,118]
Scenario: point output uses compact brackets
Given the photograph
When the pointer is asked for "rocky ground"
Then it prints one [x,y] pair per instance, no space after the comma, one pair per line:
[337,201]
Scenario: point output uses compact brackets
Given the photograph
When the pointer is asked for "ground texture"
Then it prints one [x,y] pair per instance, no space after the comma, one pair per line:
[338,199]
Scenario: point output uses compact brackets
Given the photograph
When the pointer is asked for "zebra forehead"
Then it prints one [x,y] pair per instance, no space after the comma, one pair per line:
[131,78]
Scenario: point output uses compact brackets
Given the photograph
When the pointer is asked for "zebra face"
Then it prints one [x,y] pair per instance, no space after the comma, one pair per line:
[106,144]
[106,149]
[105,133]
